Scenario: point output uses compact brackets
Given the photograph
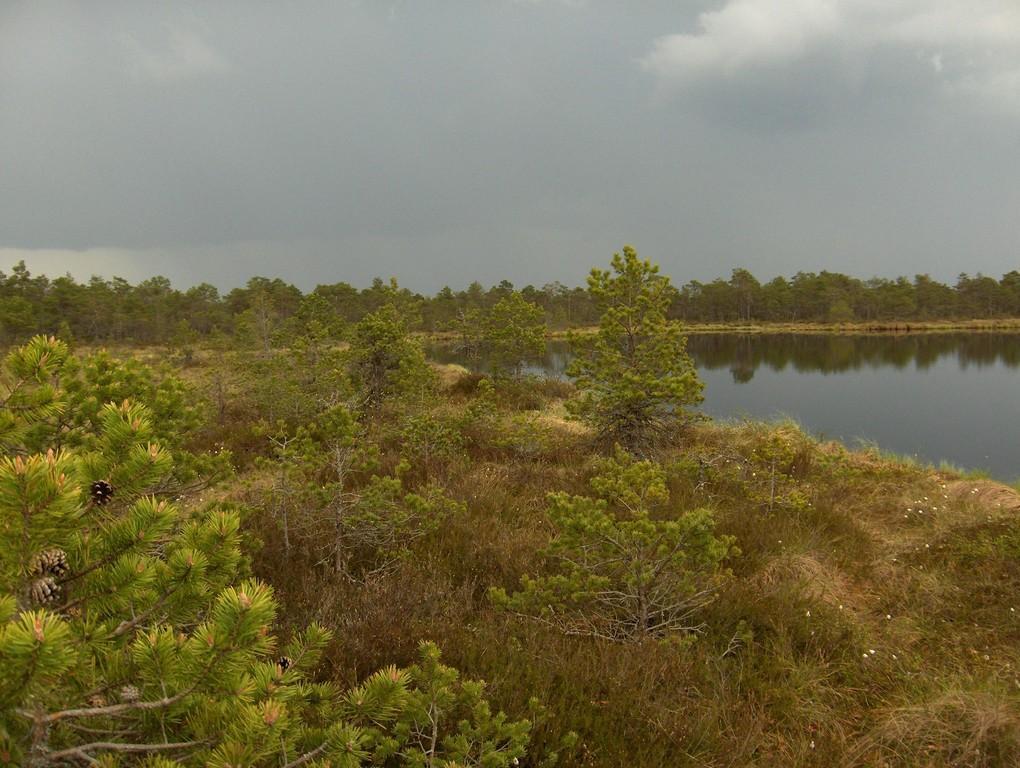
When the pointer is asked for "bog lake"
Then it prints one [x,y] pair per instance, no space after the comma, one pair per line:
[937,397]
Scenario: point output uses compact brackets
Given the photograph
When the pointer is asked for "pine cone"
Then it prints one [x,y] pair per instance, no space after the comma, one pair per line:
[100,491]
[45,590]
[129,693]
[97,700]
[50,562]
[284,663]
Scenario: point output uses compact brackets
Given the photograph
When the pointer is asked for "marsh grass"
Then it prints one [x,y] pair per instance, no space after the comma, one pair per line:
[872,618]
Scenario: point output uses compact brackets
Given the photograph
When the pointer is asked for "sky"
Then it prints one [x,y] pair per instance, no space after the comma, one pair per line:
[445,142]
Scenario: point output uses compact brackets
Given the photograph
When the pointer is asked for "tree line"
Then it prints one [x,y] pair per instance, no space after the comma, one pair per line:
[154,311]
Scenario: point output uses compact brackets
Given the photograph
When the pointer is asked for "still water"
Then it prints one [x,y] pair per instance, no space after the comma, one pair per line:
[937,397]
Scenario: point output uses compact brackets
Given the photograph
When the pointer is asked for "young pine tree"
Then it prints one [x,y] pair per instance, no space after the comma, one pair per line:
[128,635]
[386,362]
[30,401]
[127,632]
[623,569]
[514,332]
[634,376]
[328,498]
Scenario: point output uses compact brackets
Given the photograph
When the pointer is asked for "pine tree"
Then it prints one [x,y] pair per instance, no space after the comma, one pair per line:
[327,489]
[129,634]
[175,412]
[634,375]
[125,628]
[469,328]
[386,362]
[29,398]
[447,722]
[514,332]
[623,568]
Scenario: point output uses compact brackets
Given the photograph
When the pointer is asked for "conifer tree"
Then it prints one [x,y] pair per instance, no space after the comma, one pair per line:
[361,522]
[129,634]
[468,326]
[386,361]
[447,723]
[514,333]
[634,376]
[29,398]
[624,568]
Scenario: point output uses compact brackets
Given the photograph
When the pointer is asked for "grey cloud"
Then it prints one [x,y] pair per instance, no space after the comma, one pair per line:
[456,141]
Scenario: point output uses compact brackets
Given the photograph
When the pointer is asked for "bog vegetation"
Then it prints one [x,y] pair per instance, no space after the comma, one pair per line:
[303,544]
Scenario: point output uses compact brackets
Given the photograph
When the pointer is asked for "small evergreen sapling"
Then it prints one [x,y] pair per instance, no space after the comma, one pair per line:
[514,332]
[634,376]
[447,723]
[623,567]
[386,362]
[128,635]
[30,401]
[361,522]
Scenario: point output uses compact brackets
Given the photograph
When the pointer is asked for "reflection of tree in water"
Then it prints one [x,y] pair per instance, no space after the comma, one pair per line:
[743,364]
[742,373]
[553,363]
[743,354]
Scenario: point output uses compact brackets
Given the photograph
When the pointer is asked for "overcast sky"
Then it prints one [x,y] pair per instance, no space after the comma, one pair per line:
[444,142]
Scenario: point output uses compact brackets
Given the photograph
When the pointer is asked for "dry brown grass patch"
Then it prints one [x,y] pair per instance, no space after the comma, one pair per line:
[820,581]
[957,728]
[987,494]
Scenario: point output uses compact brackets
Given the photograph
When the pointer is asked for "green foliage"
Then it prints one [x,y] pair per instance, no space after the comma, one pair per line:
[386,363]
[326,493]
[93,381]
[470,330]
[619,572]
[427,441]
[174,410]
[183,340]
[776,456]
[126,630]
[523,435]
[104,311]
[376,525]
[28,394]
[447,722]
[129,634]
[514,332]
[634,377]
[314,330]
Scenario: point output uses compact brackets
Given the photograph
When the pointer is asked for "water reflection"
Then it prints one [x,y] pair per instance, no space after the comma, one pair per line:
[744,354]
[934,396]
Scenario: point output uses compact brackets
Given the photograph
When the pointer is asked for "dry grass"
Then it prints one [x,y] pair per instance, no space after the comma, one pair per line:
[868,621]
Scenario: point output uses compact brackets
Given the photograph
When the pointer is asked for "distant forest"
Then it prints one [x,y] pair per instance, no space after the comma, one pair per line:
[153,311]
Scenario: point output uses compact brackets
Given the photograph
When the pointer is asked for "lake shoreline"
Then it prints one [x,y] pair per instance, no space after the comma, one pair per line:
[877,328]
[953,392]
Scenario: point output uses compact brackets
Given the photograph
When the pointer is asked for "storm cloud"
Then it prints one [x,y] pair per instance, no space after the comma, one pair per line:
[451,141]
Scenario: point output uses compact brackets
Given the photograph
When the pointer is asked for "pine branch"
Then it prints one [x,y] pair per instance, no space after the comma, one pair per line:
[127,626]
[307,757]
[82,752]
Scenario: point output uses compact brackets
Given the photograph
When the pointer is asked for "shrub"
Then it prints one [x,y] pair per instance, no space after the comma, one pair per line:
[129,634]
[634,377]
[619,572]
[514,333]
